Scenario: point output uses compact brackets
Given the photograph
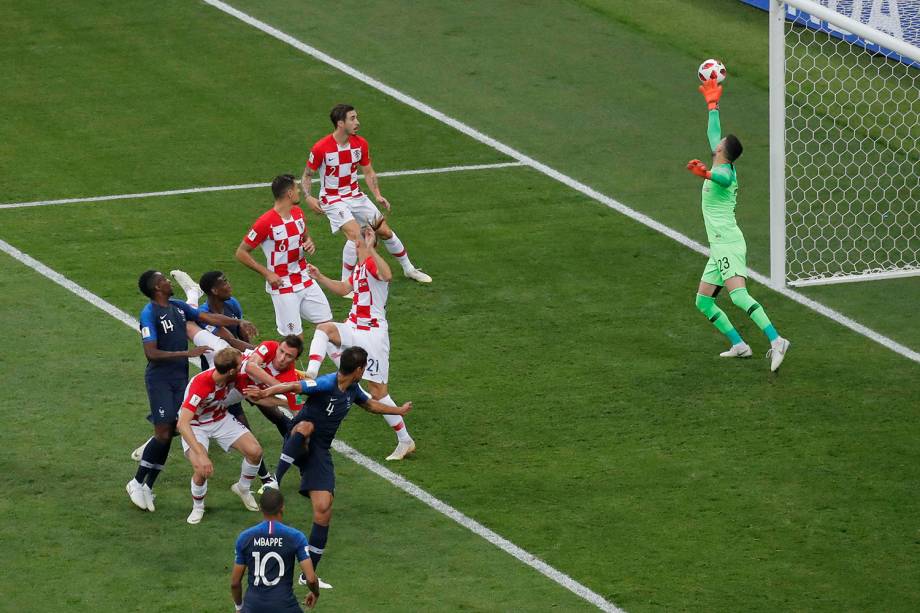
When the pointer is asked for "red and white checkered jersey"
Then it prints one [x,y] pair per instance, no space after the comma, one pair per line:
[205,399]
[282,243]
[266,351]
[339,167]
[369,303]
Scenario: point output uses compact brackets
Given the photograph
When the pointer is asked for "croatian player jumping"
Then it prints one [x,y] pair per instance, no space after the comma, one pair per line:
[365,327]
[329,399]
[282,233]
[203,417]
[727,262]
[337,157]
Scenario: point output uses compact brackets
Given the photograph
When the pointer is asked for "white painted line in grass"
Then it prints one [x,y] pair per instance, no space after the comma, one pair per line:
[555,174]
[475,527]
[224,188]
[400,482]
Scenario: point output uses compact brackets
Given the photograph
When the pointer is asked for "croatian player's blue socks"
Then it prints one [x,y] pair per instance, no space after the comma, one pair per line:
[317,543]
[158,452]
[293,447]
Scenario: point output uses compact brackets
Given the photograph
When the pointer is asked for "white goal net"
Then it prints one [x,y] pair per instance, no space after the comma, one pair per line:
[851,142]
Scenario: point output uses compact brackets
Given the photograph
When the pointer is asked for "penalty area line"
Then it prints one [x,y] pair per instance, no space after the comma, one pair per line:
[393,478]
[226,188]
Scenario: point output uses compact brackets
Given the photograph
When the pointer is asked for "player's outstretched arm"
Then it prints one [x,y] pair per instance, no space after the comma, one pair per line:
[375,406]
[234,342]
[367,251]
[335,286]
[306,184]
[155,354]
[281,388]
[712,92]
[219,319]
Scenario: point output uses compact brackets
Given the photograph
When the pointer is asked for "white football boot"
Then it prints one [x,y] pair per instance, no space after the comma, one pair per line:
[149,497]
[193,293]
[136,493]
[777,353]
[402,450]
[270,485]
[738,351]
[195,516]
[417,275]
[249,501]
[139,452]
[302,580]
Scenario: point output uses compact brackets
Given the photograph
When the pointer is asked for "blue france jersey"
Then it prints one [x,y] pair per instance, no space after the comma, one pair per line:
[232,309]
[327,406]
[166,326]
[271,552]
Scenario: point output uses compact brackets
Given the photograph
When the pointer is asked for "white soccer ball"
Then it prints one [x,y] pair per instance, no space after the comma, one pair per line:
[711,69]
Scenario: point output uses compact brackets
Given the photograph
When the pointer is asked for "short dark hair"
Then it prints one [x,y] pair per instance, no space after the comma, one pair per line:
[145,283]
[733,148]
[352,359]
[281,184]
[271,501]
[339,112]
[227,359]
[292,340]
[208,280]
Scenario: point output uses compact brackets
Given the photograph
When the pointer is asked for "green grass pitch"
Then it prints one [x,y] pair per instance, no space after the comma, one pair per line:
[567,393]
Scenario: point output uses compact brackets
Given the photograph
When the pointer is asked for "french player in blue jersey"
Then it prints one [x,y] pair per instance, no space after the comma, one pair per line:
[329,398]
[269,552]
[163,333]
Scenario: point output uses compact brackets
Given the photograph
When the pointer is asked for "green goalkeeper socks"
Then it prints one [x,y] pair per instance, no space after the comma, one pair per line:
[707,306]
[743,301]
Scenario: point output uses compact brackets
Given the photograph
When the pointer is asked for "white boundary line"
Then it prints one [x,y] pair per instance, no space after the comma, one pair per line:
[222,188]
[403,484]
[555,174]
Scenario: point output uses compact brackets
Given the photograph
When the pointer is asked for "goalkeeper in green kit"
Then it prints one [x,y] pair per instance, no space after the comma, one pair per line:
[728,251]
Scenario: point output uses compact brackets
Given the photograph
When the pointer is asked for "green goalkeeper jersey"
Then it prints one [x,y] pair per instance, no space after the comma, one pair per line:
[720,193]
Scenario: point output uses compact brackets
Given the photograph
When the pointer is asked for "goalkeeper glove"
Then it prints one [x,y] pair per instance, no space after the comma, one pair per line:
[712,91]
[699,169]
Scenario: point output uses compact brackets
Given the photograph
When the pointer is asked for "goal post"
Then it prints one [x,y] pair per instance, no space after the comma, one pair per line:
[844,141]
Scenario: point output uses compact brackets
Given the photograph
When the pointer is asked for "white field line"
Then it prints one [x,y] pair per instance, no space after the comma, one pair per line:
[475,527]
[398,481]
[555,174]
[223,188]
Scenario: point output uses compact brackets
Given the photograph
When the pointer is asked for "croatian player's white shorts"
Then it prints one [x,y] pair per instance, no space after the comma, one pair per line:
[376,342]
[360,209]
[309,303]
[225,431]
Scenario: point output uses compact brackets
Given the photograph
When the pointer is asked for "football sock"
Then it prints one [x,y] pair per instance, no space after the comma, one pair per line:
[264,475]
[198,494]
[349,259]
[398,251]
[317,352]
[743,301]
[155,454]
[708,307]
[247,472]
[317,543]
[396,422]
[207,339]
[292,449]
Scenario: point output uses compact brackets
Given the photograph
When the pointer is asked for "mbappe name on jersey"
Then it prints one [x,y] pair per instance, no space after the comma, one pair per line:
[268,541]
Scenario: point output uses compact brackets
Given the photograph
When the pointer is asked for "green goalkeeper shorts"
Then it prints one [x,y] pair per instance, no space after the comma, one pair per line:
[725,261]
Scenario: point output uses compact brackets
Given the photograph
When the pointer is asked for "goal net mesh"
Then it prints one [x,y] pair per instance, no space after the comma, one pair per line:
[852,155]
